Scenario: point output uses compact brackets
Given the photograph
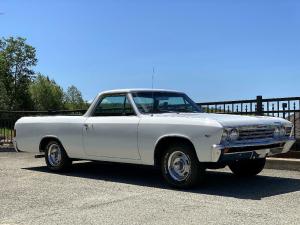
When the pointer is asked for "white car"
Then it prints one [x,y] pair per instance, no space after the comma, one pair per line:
[156,127]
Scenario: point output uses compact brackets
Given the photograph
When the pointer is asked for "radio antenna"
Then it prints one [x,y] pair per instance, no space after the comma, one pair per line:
[153,72]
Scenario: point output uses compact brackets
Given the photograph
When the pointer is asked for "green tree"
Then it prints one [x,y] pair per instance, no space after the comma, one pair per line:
[46,94]
[73,99]
[17,60]
[3,93]
[3,96]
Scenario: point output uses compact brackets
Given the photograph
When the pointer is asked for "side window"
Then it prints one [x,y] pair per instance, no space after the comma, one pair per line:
[113,105]
[171,103]
[144,103]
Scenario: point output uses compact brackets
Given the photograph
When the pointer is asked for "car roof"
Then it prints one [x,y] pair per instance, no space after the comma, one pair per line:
[136,90]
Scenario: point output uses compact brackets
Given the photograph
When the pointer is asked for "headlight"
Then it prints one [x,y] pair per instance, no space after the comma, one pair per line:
[230,134]
[225,135]
[279,132]
[282,131]
[233,135]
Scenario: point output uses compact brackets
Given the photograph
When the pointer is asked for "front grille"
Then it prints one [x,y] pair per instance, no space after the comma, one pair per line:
[257,132]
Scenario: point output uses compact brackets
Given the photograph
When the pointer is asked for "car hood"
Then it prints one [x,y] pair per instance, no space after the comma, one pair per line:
[227,120]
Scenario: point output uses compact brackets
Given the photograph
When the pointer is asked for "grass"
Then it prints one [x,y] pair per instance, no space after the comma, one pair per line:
[6,131]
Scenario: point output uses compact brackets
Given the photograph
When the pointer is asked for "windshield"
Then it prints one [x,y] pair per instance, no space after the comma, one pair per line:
[164,102]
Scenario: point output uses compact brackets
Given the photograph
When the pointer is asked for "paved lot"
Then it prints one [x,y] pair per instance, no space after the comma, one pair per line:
[95,193]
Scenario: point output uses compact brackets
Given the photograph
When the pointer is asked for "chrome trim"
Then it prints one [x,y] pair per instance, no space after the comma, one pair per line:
[292,131]
[216,150]
[254,133]
[258,126]
[257,151]
[258,142]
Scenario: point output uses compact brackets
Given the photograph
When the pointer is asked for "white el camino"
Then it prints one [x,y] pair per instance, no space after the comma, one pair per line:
[156,127]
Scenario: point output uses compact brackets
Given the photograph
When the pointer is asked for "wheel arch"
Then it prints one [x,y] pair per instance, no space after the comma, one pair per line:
[46,139]
[164,141]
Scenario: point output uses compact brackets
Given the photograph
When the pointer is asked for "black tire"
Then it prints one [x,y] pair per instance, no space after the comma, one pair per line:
[248,168]
[64,162]
[196,171]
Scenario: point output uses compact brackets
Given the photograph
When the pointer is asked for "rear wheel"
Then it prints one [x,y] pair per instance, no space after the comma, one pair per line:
[247,168]
[56,157]
[180,166]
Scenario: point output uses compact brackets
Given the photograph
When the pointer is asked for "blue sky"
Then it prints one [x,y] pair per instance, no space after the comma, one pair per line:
[212,50]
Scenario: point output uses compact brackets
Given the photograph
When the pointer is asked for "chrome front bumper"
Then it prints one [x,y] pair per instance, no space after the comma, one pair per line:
[251,150]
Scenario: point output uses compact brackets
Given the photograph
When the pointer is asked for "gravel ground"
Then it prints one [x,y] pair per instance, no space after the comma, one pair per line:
[99,193]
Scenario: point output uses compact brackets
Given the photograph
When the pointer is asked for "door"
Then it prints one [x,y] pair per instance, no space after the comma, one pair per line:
[111,130]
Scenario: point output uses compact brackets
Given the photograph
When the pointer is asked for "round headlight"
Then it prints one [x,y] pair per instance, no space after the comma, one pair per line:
[282,131]
[225,135]
[277,132]
[234,134]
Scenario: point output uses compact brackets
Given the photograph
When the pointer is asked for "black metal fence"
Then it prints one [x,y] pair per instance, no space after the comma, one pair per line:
[287,108]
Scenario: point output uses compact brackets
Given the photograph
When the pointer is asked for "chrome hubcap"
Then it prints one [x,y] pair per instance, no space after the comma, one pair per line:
[54,155]
[179,166]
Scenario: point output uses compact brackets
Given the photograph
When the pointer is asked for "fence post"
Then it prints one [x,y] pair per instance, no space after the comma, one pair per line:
[259,106]
[284,106]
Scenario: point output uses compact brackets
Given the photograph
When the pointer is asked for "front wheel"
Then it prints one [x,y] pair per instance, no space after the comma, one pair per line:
[247,168]
[56,157]
[180,166]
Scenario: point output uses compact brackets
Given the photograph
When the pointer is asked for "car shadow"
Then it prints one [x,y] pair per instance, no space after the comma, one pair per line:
[216,183]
